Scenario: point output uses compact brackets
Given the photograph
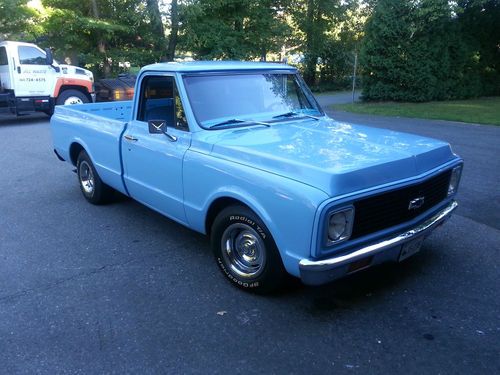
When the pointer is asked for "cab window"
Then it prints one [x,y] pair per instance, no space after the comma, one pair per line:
[159,100]
[31,56]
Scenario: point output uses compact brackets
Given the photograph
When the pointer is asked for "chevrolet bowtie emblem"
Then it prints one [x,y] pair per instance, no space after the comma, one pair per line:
[416,203]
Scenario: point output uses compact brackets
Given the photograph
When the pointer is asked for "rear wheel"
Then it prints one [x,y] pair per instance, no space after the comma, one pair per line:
[245,251]
[72,97]
[94,190]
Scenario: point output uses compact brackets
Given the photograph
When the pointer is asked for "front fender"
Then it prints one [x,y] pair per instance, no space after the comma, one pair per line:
[286,207]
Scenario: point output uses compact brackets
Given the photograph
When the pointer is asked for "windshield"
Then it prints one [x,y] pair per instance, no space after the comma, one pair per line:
[217,99]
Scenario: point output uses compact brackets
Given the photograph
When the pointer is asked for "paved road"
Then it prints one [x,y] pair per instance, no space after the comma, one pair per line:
[120,289]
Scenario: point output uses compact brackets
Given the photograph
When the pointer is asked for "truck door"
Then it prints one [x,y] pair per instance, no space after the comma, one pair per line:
[153,162]
[32,76]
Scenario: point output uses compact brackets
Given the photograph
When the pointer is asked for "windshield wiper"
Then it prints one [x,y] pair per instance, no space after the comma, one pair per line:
[295,114]
[234,121]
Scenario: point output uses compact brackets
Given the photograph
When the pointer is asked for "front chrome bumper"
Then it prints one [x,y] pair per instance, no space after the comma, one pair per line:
[316,272]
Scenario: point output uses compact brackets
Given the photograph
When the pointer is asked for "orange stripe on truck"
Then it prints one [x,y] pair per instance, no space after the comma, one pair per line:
[71,82]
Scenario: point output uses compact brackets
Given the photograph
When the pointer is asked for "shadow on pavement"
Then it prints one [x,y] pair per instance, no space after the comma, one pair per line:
[31,119]
[353,292]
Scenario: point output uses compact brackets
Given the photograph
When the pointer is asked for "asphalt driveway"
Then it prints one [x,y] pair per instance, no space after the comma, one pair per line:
[121,289]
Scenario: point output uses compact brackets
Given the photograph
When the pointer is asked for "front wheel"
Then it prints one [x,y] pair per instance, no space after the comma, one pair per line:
[245,251]
[68,97]
[94,190]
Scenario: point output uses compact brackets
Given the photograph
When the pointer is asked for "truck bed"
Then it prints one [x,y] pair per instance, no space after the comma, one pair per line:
[101,125]
[120,110]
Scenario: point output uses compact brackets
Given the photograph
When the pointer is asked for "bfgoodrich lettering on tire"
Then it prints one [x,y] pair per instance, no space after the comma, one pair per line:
[245,251]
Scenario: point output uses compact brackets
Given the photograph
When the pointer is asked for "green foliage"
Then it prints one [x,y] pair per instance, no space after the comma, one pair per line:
[100,34]
[233,29]
[313,19]
[479,26]
[413,50]
[16,19]
[340,46]
[419,51]
[388,52]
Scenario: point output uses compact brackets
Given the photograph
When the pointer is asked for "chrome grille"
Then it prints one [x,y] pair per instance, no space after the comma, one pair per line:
[391,208]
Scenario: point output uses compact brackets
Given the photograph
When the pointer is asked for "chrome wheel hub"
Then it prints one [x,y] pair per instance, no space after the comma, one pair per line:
[73,100]
[244,250]
[86,178]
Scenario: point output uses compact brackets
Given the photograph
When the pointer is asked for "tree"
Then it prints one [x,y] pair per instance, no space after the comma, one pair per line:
[478,23]
[431,50]
[153,10]
[174,30]
[234,29]
[384,54]
[100,34]
[341,46]
[314,19]
[411,51]
[15,18]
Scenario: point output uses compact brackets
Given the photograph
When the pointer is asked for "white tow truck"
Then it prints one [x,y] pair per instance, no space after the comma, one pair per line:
[31,80]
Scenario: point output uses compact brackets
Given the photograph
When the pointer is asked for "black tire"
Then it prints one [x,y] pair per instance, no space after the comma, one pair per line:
[93,189]
[245,251]
[72,97]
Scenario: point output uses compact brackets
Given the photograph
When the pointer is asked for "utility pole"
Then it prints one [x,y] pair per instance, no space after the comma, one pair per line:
[354,74]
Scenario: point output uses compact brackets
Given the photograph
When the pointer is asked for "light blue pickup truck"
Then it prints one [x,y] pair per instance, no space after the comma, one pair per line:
[242,152]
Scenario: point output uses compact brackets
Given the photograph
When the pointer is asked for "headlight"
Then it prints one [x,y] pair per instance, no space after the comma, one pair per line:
[340,225]
[454,180]
[89,74]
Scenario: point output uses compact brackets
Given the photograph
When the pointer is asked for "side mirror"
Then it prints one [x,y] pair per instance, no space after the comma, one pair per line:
[157,126]
[160,127]
[49,59]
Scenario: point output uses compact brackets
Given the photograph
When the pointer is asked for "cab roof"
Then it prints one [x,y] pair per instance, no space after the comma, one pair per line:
[214,66]
[12,42]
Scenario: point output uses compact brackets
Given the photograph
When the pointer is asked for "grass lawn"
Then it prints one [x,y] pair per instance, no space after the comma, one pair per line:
[479,111]
[332,92]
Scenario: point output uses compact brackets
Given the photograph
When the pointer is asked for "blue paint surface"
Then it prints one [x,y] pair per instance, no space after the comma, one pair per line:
[291,173]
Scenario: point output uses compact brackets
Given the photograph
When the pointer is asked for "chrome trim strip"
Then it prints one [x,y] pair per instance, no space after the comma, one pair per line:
[331,263]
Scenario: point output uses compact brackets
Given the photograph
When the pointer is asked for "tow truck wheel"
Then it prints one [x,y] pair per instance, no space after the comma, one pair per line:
[71,97]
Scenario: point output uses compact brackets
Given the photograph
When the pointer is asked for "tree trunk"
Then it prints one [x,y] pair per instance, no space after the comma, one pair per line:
[263,54]
[101,44]
[73,57]
[174,31]
[156,26]
[310,55]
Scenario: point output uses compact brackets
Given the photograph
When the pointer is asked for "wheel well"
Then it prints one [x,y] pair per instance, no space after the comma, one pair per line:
[217,206]
[82,89]
[74,151]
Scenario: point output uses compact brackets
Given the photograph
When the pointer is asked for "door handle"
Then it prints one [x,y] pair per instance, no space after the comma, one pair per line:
[130,138]
[19,69]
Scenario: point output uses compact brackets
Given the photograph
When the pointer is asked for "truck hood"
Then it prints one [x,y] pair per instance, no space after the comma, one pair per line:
[76,71]
[335,157]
